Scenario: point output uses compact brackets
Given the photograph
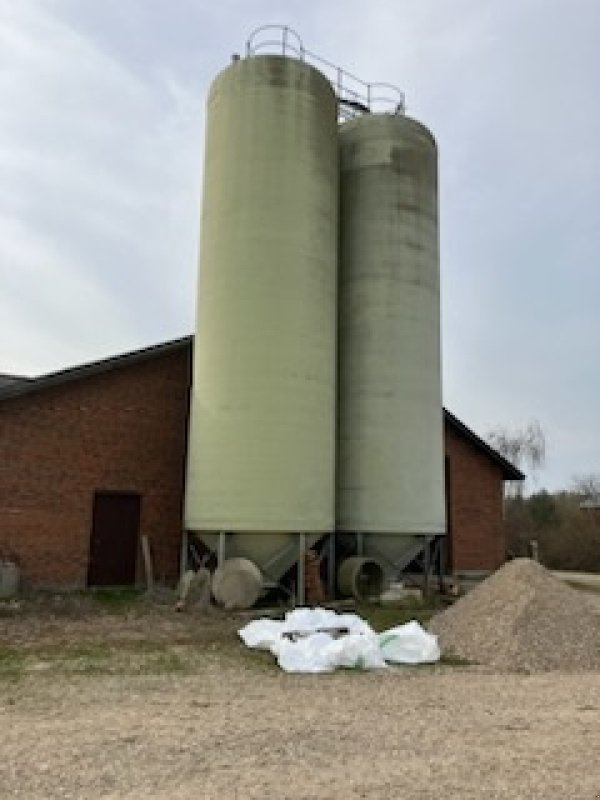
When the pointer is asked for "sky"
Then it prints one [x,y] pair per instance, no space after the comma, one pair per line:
[101,149]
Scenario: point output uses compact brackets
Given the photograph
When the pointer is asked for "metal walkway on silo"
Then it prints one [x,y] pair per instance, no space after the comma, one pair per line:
[354,95]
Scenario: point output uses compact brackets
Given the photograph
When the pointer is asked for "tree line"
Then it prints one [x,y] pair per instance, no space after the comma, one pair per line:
[565,525]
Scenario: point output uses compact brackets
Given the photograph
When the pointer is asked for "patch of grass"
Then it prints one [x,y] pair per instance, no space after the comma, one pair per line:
[140,647]
[117,600]
[232,651]
[259,660]
[96,658]
[381,618]
[129,658]
[446,660]
[80,658]
[11,663]
[89,658]
[74,602]
[452,660]
[161,663]
[85,650]
[592,588]
[84,666]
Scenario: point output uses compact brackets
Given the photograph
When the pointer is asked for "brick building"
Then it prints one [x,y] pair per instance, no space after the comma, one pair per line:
[98,452]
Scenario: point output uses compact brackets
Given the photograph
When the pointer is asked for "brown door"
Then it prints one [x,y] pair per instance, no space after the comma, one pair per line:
[113,544]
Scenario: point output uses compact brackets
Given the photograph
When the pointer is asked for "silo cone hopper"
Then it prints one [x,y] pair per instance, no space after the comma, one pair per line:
[274,554]
[395,552]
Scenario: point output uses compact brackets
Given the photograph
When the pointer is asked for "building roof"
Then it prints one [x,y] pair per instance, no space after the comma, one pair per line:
[18,387]
[10,380]
[64,376]
[509,471]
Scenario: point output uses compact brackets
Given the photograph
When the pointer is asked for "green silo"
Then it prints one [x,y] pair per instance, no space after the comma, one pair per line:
[390,447]
[261,446]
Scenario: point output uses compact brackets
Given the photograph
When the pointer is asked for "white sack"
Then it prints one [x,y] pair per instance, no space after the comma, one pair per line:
[355,624]
[266,633]
[356,651]
[310,620]
[261,633]
[409,644]
[310,654]
[317,651]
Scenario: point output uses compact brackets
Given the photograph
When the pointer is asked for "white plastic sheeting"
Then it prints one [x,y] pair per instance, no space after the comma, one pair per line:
[409,644]
[309,640]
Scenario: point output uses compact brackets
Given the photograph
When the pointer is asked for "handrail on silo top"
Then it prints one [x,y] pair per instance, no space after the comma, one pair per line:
[281,43]
[354,95]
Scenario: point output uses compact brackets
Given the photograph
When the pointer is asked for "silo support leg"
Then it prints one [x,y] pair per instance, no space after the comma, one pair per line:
[331,567]
[301,551]
[360,543]
[221,555]
[426,568]
[183,558]
[441,563]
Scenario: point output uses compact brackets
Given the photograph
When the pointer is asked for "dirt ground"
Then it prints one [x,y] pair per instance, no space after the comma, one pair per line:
[151,704]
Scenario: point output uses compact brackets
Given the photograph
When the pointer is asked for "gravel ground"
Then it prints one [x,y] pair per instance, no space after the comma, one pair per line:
[523,618]
[234,733]
[222,722]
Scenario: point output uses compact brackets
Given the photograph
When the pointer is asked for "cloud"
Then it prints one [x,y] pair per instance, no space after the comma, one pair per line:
[99,195]
[508,91]
[101,134]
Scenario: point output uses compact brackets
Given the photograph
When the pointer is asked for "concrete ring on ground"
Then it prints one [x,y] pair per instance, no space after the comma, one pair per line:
[360,577]
[237,583]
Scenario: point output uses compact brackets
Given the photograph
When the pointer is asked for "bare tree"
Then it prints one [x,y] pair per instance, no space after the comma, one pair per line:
[525,448]
[587,486]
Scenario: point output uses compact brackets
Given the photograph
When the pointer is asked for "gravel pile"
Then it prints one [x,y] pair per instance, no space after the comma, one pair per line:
[523,618]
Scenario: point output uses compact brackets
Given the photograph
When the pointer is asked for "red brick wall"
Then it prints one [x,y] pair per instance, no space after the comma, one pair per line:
[123,429]
[477,540]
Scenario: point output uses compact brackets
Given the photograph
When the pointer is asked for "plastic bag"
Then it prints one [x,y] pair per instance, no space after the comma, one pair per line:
[311,620]
[356,651]
[310,654]
[264,633]
[409,644]
[320,652]
[315,649]
[261,634]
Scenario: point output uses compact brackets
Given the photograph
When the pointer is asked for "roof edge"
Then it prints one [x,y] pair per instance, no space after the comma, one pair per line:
[52,379]
[510,472]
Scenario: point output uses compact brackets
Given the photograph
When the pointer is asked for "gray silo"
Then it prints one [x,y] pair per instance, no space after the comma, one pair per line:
[390,445]
[261,447]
